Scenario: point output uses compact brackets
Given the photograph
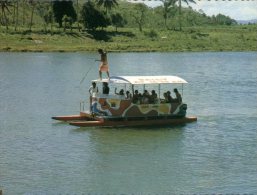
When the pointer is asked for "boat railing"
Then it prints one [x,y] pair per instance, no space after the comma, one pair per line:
[111,96]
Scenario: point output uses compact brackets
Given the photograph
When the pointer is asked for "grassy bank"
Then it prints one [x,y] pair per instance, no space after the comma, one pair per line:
[233,38]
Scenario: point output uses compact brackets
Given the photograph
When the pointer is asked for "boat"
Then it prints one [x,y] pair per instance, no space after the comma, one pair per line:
[132,109]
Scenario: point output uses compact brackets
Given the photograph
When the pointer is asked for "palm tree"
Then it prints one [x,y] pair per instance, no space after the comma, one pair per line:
[77,9]
[23,11]
[179,4]
[167,5]
[33,5]
[107,4]
[4,4]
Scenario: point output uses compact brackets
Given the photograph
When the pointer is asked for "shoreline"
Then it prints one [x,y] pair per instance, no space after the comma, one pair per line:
[134,51]
[197,39]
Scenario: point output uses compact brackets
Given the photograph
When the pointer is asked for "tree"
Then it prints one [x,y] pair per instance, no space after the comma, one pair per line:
[33,5]
[118,20]
[139,15]
[67,22]
[179,3]
[77,10]
[224,20]
[16,15]
[92,17]
[107,4]
[61,8]
[46,13]
[5,4]
[23,11]
[167,6]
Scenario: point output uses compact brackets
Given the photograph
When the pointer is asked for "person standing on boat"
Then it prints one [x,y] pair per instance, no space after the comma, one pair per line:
[178,96]
[93,90]
[103,67]
[106,88]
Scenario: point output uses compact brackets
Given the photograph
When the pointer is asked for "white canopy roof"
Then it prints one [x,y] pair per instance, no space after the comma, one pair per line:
[142,80]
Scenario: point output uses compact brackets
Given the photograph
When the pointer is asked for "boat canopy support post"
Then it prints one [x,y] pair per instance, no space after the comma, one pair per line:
[159,90]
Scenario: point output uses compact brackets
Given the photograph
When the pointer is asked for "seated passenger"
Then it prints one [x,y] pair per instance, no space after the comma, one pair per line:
[178,96]
[146,93]
[165,100]
[94,105]
[128,95]
[169,98]
[121,92]
[140,98]
[153,98]
[94,109]
[146,97]
[135,98]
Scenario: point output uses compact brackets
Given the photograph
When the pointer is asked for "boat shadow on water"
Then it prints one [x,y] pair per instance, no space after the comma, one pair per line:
[177,127]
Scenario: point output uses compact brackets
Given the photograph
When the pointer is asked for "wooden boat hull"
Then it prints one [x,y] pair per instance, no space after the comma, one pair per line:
[130,123]
[85,116]
[69,118]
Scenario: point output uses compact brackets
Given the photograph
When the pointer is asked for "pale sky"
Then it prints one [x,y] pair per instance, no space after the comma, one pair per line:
[236,9]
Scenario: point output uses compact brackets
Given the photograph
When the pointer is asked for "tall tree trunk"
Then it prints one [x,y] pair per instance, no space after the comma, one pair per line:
[78,15]
[1,17]
[165,22]
[17,15]
[31,18]
[23,12]
[14,13]
[180,28]
[5,18]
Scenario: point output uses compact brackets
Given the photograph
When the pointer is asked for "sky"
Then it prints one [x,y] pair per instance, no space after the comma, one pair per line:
[236,9]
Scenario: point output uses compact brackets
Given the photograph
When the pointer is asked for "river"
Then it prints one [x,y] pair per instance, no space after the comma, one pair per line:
[216,154]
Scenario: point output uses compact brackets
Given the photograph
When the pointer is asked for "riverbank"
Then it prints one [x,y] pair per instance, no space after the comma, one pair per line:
[232,38]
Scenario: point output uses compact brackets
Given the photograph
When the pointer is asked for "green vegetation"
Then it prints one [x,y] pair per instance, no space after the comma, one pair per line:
[64,11]
[119,26]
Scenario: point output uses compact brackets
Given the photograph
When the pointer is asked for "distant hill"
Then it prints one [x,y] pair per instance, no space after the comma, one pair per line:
[253,21]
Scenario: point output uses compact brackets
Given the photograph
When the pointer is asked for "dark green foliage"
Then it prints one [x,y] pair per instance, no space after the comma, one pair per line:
[4,5]
[118,20]
[61,8]
[93,18]
[168,7]
[151,34]
[48,16]
[67,21]
[107,4]
[41,13]
[139,15]
[223,20]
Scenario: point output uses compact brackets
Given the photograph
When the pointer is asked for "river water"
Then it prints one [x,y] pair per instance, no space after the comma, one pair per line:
[216,154]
